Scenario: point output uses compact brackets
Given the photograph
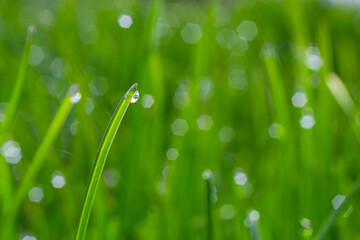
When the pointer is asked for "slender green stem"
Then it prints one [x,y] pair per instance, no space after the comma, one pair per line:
[329,222]
[9,117]
[131,96]
[37,162]
[209,187]
[15,98]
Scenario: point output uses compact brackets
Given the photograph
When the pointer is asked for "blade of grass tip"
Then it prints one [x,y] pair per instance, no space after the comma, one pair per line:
[131,96]
[9,117]
[38,160]
[329,222]
[345,101]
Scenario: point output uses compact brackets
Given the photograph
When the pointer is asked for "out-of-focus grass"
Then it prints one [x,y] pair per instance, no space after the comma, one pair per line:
[241,88]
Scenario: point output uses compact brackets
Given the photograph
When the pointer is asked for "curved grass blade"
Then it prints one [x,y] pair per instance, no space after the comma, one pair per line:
[329,222]
[9,117]
[131,96]
[38,160]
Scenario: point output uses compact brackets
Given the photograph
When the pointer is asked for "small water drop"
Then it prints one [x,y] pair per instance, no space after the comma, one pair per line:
[74,94]
[135,97]
[75,97]
[133,94]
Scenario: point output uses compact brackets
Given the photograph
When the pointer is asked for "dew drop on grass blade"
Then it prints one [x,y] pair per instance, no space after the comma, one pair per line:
[131,96]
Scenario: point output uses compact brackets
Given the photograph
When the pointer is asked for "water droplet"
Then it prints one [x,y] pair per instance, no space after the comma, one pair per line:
[132,94]
[75,94]
[75,97]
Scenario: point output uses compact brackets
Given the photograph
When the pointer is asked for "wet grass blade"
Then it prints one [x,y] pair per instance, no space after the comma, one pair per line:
[131,96]
[329,222]
[38,160]
[9,117]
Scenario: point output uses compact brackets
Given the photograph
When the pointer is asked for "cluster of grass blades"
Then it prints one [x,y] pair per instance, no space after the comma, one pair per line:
[11,202]
[131,96]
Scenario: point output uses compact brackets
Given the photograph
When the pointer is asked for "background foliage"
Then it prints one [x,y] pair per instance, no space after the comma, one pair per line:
[218,83]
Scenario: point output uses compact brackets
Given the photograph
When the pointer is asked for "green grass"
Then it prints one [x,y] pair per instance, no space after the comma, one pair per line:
[10,114]
[232,91]
[12,209]
[131,96]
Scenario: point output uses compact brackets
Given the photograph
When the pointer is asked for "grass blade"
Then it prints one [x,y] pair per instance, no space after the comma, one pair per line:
[207,176]
[10,114]
[345,101]
[15,98]
[38,161]
[131,96]
[329,222]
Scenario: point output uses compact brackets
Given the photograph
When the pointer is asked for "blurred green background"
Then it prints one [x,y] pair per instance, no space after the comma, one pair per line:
[239,132]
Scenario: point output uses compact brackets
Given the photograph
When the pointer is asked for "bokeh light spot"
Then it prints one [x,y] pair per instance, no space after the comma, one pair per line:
[172,154]
[191,33]
[226,134]
[125,21]
[147,101]
[247,30]
[299,99]
[36,194]
[179,127]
